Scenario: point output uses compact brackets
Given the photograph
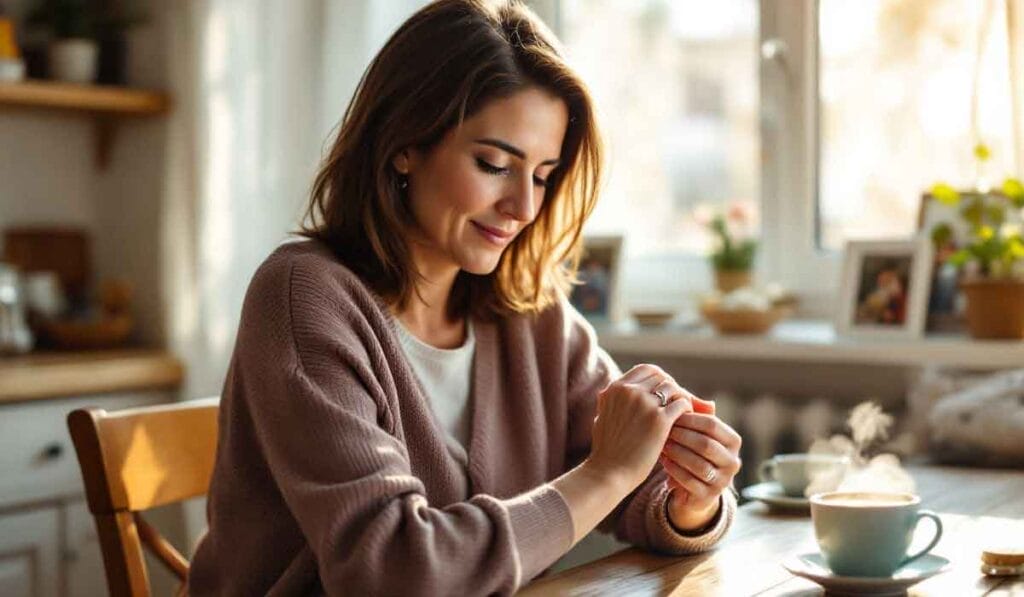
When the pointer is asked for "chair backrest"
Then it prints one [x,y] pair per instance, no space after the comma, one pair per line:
[136,459]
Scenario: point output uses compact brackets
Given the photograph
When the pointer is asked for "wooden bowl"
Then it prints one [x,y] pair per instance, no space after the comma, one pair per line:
[742,321]
[108,332]
[653,318]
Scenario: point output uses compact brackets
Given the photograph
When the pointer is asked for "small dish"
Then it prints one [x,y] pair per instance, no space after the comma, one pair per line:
[653,318]
[770,493]
[812,567]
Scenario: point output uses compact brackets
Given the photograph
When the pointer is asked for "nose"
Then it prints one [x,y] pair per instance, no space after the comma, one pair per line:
[520,203]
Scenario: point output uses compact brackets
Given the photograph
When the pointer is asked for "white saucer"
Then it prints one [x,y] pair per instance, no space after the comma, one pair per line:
[812,566]
[771,494]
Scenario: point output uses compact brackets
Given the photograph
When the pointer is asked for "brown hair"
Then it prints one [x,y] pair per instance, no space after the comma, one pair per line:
[439,68]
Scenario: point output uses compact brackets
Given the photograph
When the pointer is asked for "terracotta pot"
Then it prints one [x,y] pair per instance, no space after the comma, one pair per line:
[727,280]
[995,308]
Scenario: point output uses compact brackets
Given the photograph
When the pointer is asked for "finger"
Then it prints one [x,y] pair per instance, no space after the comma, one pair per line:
[699,467]
[704,446]
[676,408]
[642,372]
[711,426]
[673,391]
[693,486]
[700,405]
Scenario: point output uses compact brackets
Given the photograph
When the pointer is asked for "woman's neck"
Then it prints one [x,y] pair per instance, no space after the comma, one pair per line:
[426,314]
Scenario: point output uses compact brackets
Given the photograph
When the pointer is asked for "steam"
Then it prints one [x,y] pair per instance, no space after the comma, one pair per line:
[869,426]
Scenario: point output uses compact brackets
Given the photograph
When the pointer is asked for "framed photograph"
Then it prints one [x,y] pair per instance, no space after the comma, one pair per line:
[885,288]
[945,301]
[597,295]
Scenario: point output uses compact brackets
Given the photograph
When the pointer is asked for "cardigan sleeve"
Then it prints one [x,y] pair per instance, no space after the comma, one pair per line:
[641,518]
[313,397]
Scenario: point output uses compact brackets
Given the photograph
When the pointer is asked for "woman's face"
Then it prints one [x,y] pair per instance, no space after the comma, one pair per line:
[484,182]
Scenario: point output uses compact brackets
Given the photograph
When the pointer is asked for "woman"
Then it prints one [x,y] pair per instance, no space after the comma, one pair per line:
[411,403]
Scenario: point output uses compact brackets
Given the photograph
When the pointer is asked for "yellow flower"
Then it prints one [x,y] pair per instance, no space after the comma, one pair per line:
[945,194]
[986,232]
[982,152]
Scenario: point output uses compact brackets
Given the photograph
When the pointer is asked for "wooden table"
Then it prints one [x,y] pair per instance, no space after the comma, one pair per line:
[977,506]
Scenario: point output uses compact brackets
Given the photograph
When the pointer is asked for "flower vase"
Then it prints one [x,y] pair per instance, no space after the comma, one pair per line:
[727,280]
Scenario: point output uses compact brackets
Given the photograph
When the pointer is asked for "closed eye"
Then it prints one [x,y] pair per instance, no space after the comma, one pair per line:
[491,168]
[499,171]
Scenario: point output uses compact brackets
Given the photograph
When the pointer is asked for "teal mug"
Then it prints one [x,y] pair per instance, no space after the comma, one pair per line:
[869,534]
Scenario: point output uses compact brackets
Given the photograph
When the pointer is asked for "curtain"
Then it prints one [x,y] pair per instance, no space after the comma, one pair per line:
[1015,45]
[257,86]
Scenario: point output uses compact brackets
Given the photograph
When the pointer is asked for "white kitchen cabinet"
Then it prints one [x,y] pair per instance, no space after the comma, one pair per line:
[48,541]
[30,553]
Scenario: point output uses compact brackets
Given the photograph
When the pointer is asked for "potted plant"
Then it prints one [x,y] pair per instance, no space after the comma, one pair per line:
[990,255]
[735,248]
[73,52]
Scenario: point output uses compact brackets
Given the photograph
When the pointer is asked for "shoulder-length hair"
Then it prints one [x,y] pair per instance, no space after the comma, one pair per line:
[440,67]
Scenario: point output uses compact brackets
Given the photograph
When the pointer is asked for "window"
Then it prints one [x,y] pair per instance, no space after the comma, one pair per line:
[895,92]
[676,87]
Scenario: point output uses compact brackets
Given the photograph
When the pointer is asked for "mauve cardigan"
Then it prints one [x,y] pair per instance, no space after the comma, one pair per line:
[333,476]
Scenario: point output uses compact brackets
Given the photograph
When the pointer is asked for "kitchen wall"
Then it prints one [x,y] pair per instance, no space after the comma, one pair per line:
[48,176]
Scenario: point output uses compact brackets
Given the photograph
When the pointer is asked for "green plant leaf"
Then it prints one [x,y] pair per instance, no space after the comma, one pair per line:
[974,212]
[995,214]
[945,194]
[941,234]
[960,257]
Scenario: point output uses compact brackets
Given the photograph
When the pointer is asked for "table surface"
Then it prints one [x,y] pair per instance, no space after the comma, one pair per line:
[978,507]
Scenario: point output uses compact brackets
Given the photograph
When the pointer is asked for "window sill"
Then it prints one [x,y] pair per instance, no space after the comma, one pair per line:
[810,341]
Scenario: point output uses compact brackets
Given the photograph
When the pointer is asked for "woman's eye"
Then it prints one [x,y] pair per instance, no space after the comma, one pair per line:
[490,168]
[540,182]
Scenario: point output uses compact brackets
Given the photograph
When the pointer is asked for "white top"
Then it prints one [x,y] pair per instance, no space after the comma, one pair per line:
[445,375]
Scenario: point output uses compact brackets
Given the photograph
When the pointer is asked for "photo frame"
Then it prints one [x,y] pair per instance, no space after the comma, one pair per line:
[596,297]
[885,287]
[945,300]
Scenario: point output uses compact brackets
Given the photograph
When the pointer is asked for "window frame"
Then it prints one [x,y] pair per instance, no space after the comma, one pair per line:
[789,250]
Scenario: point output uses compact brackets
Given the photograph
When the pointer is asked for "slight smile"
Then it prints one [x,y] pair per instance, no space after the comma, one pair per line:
[495,236]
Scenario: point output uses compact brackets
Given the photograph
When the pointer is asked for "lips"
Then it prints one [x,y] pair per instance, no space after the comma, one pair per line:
[495,235]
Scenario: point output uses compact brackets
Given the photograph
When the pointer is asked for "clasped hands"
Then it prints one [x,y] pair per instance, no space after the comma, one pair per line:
[698,451]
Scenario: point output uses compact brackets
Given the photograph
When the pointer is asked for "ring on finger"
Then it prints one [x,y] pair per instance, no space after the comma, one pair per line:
[662,398]
[710,475]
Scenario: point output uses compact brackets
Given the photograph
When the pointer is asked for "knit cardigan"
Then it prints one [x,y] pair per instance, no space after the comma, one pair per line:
[333,476]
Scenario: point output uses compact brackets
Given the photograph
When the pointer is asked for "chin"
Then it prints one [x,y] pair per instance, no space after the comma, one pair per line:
[481,266]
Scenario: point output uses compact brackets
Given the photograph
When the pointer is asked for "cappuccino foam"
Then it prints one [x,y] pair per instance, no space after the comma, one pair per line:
[866,500]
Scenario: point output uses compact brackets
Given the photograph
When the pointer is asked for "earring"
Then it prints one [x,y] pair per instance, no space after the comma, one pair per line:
[403,181]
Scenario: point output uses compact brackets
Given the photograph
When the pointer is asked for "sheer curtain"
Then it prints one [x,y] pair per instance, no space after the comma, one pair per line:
[1015,40]
[258,86]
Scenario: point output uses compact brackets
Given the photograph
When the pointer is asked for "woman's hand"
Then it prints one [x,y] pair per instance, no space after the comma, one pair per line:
[701,458]
[631,426]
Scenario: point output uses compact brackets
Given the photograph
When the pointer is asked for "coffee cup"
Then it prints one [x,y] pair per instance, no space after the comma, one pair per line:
[794,472]
[868,534]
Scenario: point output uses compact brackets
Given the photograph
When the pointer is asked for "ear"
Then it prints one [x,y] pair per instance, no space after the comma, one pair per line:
[402,162]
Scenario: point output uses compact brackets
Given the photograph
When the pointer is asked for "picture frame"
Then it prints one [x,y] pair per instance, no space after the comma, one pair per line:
[884,288]
[946,302]
[597,295]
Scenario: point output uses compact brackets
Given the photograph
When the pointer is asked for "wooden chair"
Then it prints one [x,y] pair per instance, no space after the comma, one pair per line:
[136,459]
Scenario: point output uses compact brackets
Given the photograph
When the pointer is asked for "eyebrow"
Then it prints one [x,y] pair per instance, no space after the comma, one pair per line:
[519,153]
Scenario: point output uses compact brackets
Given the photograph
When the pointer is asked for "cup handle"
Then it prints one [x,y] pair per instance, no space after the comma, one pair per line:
[931,544]
[766,472]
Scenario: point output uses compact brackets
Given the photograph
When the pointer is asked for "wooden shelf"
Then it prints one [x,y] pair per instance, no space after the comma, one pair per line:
[101,99]
[814,342]
[104,103]
[68,374]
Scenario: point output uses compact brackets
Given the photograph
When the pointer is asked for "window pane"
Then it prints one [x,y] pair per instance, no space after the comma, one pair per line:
[895,98]
[677,91]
